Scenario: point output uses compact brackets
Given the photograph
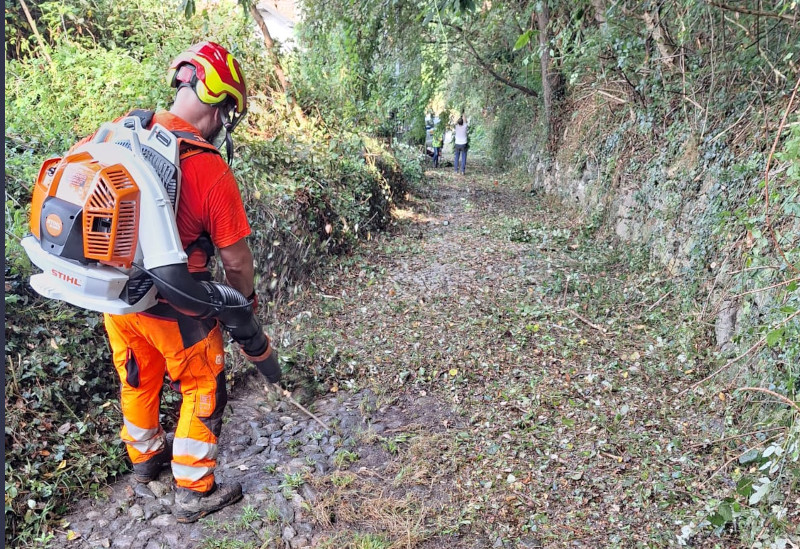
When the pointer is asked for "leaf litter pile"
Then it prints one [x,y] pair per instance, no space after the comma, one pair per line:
[539,371]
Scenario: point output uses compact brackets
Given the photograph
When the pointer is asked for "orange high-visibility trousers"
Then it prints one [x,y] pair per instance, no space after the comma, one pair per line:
[191,352]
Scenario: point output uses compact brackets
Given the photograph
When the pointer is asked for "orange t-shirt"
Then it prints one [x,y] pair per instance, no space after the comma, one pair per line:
[210,201]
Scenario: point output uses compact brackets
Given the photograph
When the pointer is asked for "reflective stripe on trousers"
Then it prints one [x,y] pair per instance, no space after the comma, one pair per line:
[190,458]
[144,441]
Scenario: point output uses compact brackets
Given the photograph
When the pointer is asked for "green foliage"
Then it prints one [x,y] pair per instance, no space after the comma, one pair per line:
[344,458]
[35,93]
[409,164]
[226,543]
[114,60]
[362,71]
[749,247]
[61,425]
[329,195]
[510,125]
[771,257]
[670,116]
[671,113]
[292,481]
[101,23]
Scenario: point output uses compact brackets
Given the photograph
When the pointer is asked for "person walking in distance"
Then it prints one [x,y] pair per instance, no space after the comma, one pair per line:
[210,100]
[461,141]
[437,143]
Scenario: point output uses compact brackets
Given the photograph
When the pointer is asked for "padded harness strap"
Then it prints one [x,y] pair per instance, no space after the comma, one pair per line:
[144,116]
[189,143]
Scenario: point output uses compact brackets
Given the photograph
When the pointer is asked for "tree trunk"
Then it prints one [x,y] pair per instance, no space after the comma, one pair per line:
[652,21]
[543,19]
[270,44]
[38,36]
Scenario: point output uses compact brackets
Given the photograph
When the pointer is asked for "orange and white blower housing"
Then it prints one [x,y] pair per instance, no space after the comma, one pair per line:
[87,211]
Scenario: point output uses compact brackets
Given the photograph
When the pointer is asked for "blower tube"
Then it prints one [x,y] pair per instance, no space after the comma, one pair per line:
[201,299]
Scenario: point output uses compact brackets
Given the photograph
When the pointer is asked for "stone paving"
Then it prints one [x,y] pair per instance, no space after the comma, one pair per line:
[272,449]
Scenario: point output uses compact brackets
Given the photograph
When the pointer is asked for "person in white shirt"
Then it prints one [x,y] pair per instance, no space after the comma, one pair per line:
[461,142]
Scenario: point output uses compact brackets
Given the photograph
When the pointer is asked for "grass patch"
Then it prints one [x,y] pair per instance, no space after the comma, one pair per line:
[356,540]
[344,458]
[292,480]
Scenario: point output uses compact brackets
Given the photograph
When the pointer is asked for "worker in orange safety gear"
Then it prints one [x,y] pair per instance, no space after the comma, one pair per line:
[211,98]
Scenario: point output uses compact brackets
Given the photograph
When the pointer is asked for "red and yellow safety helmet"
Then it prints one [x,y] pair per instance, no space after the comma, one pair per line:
[213,73]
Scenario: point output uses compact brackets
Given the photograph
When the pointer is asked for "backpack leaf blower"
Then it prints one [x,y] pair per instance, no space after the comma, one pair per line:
[103,232]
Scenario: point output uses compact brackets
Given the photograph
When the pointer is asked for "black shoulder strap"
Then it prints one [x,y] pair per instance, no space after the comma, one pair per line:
[189,136]
[192,144]
[204,244]
[145,117]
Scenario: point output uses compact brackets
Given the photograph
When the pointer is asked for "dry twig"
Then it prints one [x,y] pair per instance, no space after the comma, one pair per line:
[288,396]
[732,437]
[586,321]
[778,285]
[732,361]
[38,36]
[766,178]
[757,345]
[747,11]
[779,396]
[734,458]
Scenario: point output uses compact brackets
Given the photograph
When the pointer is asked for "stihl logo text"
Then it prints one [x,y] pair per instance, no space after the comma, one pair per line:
[53,224]
[66,278]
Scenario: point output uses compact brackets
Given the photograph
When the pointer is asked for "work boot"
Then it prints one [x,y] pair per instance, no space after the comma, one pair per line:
[149,470]
[191,505]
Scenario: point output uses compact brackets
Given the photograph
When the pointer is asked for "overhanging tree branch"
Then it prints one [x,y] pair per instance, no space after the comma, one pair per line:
[252,7]
[488,68]
[746,11]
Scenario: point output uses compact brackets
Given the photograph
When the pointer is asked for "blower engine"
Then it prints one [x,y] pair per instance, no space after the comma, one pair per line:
[86,214]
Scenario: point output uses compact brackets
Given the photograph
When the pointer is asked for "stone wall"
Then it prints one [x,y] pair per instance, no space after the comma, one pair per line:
[661,200]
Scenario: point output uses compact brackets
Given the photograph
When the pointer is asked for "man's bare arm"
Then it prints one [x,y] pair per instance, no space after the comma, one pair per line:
[237,260]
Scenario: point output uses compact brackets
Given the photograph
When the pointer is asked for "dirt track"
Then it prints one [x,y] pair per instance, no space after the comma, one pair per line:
[492,378]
